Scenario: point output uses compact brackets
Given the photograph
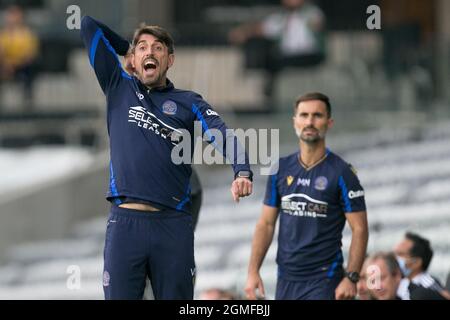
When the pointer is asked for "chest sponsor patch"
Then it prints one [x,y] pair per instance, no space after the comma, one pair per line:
[148,121]
[302,205]
[304,182]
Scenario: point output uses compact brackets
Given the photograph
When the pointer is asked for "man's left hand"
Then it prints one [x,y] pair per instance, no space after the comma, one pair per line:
[346,290]
[241,187]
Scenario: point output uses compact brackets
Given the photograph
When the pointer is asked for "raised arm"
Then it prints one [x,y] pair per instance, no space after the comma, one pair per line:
[103,46]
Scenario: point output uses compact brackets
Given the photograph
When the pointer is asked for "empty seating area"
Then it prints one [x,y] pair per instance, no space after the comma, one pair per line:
[407,185]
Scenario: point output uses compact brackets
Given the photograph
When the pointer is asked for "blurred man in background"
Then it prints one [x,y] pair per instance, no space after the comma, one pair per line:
[389,276]
[447,282]
[218,294]
[149,232]
[314,192]
[296,34]
[18,52]
[363,292]
[414,254]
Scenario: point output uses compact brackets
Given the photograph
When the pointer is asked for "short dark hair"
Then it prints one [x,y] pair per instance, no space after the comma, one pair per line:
[159,33]
[314,96]
[421,249]
[390,260]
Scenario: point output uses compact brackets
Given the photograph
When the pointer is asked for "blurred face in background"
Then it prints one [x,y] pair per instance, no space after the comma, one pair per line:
[361,286]
[403,248]
[292,4]
[13,17]
[215,294]
[410,265]
[151,60]
[389,281]
[311,121]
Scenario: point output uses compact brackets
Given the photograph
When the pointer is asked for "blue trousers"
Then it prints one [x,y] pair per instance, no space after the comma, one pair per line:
[317,289]
[158,245]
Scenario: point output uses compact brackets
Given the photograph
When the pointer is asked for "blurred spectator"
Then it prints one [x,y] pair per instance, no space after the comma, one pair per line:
[18,51]
[408,27]
[295,34]
[422,293]
[390,276]
[414,255]
[447,283]
[408,33]
[363,291]
[217,294]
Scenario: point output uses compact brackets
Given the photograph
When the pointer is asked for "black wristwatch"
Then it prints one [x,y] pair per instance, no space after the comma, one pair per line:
[353,276]
[244,174]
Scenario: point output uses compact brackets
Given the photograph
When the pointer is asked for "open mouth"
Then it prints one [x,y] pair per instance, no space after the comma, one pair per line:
[149,65]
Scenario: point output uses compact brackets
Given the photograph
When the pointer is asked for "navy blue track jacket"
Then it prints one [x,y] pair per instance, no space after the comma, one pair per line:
[144,126]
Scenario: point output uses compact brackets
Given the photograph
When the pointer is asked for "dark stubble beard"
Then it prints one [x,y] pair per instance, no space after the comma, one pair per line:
[311,139]
[156,82]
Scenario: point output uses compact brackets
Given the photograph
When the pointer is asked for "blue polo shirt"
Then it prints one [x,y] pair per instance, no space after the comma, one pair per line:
[312,206]
[145,125]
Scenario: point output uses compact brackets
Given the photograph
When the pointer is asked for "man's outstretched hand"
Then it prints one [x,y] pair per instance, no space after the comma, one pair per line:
[241,187]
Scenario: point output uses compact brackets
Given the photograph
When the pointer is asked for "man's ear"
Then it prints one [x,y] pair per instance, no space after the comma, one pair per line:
[419,263]
[132,60]
[171,60]
[330,123]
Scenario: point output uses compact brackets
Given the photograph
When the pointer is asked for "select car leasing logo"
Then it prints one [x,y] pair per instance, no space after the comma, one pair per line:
[302,205]
[147,120]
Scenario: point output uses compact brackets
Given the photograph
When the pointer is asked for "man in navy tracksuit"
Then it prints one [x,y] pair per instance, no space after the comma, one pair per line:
[149,231]
[314,193]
